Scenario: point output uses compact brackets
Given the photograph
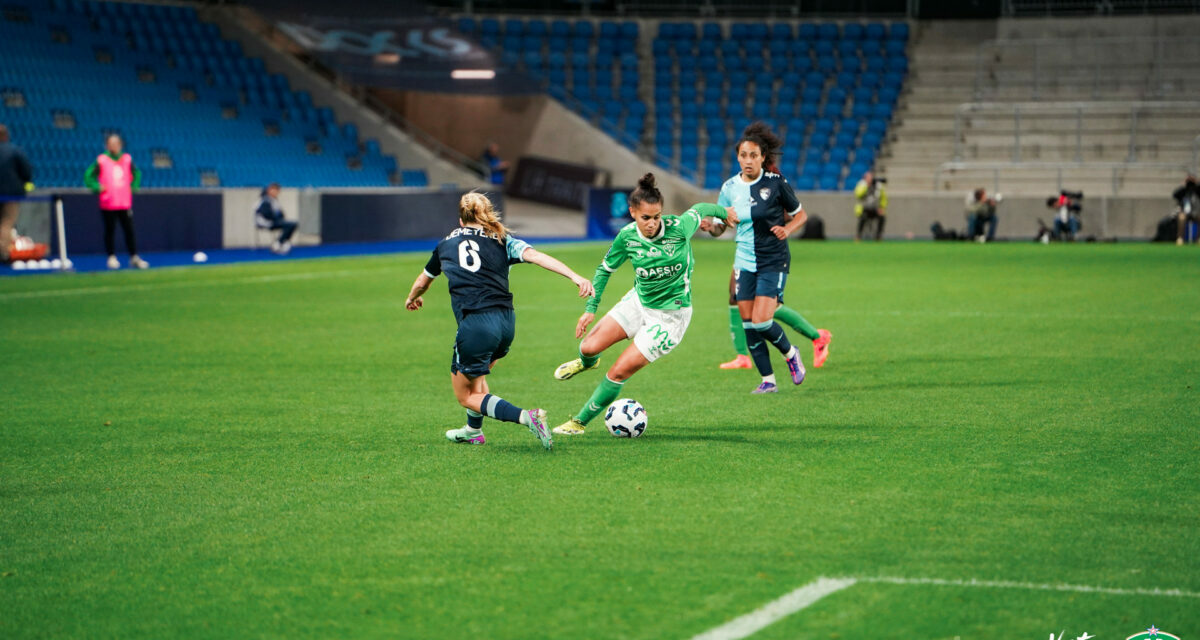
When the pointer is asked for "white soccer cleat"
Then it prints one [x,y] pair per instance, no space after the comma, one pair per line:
[113,263]
[138,263]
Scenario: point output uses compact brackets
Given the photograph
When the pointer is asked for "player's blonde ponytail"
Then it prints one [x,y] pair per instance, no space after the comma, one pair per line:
[476,208]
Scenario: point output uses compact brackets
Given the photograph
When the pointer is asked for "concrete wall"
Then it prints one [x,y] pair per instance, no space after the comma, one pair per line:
[1125,218]
[467,122]
[238,216]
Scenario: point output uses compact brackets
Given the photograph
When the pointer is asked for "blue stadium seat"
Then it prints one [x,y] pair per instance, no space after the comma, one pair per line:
[874,31]
[827,31]
[852,31]
[560,29]
[711,31]
[807,31]
[828,183]
[629,30]
[610,30]
[899,31]
[584,28]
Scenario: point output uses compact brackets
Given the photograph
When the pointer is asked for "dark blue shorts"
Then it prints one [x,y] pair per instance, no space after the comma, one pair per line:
[751,284]
[482,339]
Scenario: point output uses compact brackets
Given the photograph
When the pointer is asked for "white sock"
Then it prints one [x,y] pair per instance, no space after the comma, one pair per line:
[525,419]
[770,378]
[472,430]
[791,354]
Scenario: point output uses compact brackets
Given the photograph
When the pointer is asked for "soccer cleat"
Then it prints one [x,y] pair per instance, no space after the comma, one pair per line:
[571,427]
[821,347]
[113,263]
[739,362]
[568,370]
[138,263]
[795,366]
[537,424]
[766,387]
[466,435]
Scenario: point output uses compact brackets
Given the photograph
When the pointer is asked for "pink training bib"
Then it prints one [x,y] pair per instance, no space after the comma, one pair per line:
[116,182]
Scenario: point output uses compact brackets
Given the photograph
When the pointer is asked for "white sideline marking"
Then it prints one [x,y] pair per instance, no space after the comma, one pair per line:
[805,596]
[1004,584]
[775,610]
[109,288]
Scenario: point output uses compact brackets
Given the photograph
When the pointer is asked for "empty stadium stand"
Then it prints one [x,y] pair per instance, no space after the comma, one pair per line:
[193,109]
[828,88]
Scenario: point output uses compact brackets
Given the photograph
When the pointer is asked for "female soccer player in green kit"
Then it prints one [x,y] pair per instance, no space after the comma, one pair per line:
[655,313]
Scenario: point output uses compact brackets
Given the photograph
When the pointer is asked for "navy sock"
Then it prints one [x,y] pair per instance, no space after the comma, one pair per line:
[474,419]
[500,409]
[775,335]
[758,349]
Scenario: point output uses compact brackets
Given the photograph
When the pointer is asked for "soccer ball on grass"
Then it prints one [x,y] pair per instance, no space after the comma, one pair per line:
[625,418]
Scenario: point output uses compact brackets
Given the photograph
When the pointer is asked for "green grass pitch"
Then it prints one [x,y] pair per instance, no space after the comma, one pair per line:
[256,451]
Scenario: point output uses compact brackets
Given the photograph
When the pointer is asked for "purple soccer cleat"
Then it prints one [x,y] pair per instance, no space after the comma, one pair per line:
[766,387]
[796,367]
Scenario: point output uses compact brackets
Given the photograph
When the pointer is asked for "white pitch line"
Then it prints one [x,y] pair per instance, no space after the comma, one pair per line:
[805,596]
[1032,586]
[111,288]
[777,609]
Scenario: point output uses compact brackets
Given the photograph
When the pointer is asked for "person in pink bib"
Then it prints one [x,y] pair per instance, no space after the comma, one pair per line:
[114,177]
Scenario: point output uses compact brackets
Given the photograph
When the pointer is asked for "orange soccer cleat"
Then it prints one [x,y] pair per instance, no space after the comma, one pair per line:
[739,362]
[821,347]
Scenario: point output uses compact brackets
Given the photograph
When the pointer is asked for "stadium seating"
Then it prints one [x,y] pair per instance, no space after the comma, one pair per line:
[193,109]
[826,87]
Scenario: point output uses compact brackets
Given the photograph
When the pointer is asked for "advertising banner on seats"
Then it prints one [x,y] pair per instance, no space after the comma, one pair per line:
[558,183]
[411,54]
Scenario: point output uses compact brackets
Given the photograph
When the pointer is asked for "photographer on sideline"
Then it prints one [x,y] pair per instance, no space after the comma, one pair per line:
[1187,201]
[871,204]
[1066,218]
[981,213]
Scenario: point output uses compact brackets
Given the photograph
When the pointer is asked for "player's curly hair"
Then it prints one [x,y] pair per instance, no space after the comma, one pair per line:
[768,143]
[477,208]
[646,191]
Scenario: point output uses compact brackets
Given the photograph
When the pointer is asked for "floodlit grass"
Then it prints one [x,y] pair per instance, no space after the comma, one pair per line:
[257,451]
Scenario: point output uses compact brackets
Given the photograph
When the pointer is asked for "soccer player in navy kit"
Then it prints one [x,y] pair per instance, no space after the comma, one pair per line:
[764,202]
[476,258]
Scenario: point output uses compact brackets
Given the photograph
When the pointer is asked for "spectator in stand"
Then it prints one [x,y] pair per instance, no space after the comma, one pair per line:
[1066,217]
[16,178]
[870,204]
[114,178]
[981,214]
[497,168]
[1187,199]
[270,216]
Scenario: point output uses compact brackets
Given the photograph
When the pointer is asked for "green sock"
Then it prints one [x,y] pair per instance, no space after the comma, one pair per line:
[793,319]
[589,361]
[605,393]
[737,331]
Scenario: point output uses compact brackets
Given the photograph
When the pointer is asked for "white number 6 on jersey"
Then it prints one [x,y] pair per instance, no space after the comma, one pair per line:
[468,256]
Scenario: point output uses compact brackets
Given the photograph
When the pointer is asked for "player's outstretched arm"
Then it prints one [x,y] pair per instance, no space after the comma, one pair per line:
[550,263]
[420,286]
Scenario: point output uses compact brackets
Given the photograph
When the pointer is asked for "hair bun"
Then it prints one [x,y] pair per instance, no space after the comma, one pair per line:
[647,181]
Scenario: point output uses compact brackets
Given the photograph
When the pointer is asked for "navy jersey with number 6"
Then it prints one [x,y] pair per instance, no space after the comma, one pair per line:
[760,205]
[476,266]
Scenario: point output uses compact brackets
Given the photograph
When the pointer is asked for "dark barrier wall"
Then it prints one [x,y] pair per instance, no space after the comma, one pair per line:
[553,182]
[390,216]
[163,221]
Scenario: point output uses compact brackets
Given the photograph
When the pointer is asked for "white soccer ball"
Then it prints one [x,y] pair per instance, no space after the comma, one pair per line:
[43,264]
[625,418]
[67,264]
[19,265]
[56,264]
[200,256]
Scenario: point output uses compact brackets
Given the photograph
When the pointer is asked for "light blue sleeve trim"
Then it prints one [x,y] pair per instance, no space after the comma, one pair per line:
[515,247]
